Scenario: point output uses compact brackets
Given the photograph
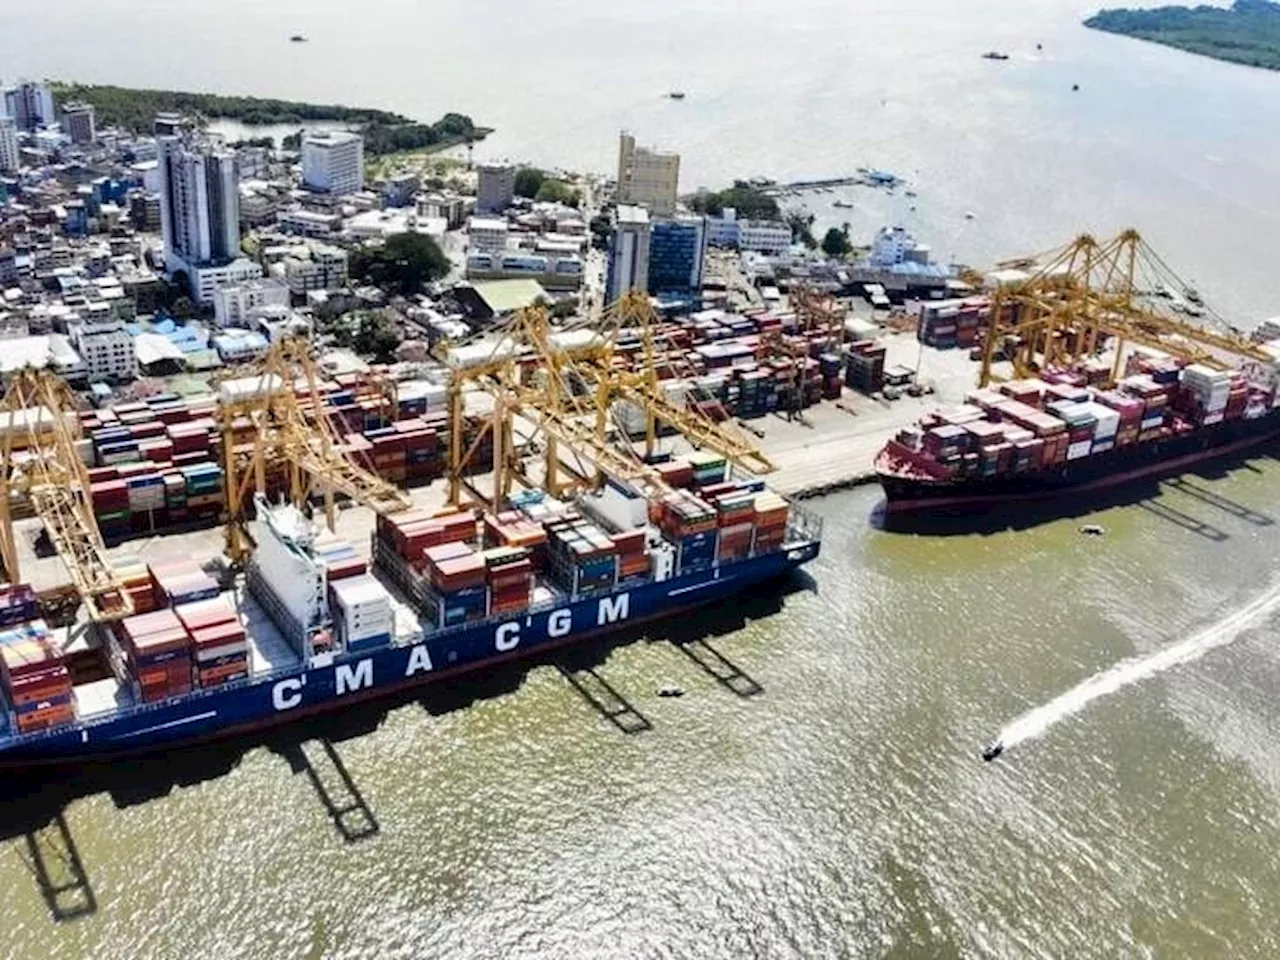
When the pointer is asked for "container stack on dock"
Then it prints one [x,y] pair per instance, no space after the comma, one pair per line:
[946,324]
[218,638]
[157,652]
[864,367]
[36,681]
[362,613]
[138,583]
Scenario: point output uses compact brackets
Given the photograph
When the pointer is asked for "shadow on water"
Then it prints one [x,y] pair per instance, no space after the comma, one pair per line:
[33,804]
[1023,515]
[54,861]
[333,786]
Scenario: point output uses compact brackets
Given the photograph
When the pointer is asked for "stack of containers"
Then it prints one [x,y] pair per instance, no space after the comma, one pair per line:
[388,453]
[18,604]
[182,582]
[458,583]
[111,507]
[204,489]
[771,515]
[583,558]
[146,493]
[937,326]
[1155,403]
[339,557]
[36,680]
[735,520]
[676,473]
[1081,426]
[757,393]
[1129,409]
[829,366]
[363,617]
[218,638]
[410,532]
[138,584]
[864,368]
[633,560]
[1205,393]
[157,650]
[512,528]
[708,467]
[1106,427]
[509,573]
[690,523]
[421,450]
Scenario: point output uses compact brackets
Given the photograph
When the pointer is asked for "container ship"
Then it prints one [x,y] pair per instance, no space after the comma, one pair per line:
[163,655]
[1077,431]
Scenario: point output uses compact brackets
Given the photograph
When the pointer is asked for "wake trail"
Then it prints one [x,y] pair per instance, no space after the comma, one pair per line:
[1035,722]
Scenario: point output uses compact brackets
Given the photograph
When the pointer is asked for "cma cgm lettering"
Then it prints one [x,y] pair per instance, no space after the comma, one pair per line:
[354,676]
[332,682]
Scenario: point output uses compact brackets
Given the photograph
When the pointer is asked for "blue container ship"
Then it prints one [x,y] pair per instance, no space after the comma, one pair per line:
[328,682]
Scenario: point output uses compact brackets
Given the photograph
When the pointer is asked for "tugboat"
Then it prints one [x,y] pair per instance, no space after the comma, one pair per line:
[995,55]
[297,38]
[676,95]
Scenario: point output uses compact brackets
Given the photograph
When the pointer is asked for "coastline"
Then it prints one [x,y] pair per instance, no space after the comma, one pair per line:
[1247,33]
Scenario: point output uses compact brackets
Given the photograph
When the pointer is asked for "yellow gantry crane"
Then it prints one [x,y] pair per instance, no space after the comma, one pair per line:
[278,400]
[42,467]
[1092,298]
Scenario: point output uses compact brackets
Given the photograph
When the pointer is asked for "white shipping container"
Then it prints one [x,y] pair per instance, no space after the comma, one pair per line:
[1212,418]
[1152,422]
[226,650]
[1078,450]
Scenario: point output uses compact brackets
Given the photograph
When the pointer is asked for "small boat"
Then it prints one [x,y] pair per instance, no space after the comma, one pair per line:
[910,193]
[676,95]
[843,204]
[992,751]
[1192,294]
[1075,87]
[995,55]
[971,215]
[670,690]
[297,38]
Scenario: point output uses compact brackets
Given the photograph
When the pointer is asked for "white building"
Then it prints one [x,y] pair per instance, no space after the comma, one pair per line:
[647,178]
[764,236]
[319,267]
[486,235]
[207,279]
[333,161]
[9,157]
[199,206]
[309,223]
[628,254]
[894,245]
[107,350]
[231,304]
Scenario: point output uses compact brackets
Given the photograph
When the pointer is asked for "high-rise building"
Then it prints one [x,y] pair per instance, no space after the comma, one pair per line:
[77,122]
[677,251]
[167,125]
[199,205]
[333,161]
[497,188]
[647,178]
[9,157]
[628,254]
[30,105]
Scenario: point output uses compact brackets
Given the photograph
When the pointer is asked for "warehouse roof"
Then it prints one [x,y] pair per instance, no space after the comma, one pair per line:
[507,296]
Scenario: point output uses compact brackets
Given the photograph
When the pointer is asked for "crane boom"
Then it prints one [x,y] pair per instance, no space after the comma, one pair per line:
[52,477]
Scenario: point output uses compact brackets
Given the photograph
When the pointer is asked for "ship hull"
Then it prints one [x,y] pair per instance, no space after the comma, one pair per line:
[1094,475]
[290,695]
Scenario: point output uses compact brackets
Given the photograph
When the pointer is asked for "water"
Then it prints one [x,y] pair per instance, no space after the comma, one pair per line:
[842,812]
[1036,722]
[1182,147]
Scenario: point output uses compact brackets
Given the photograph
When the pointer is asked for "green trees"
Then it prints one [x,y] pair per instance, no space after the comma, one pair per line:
[404,264]
[557,191]
[746,200]
[802,229]
[836,242]
[1248,32]
[383,131]
[529,181]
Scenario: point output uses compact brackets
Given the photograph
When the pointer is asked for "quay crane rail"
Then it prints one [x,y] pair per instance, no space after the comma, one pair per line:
[50,475]
[280,398]
[1076,298]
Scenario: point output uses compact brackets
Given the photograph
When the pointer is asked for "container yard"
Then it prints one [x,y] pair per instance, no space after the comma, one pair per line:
[535,534]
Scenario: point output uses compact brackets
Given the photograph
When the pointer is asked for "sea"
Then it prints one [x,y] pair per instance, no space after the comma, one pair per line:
[818,791]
